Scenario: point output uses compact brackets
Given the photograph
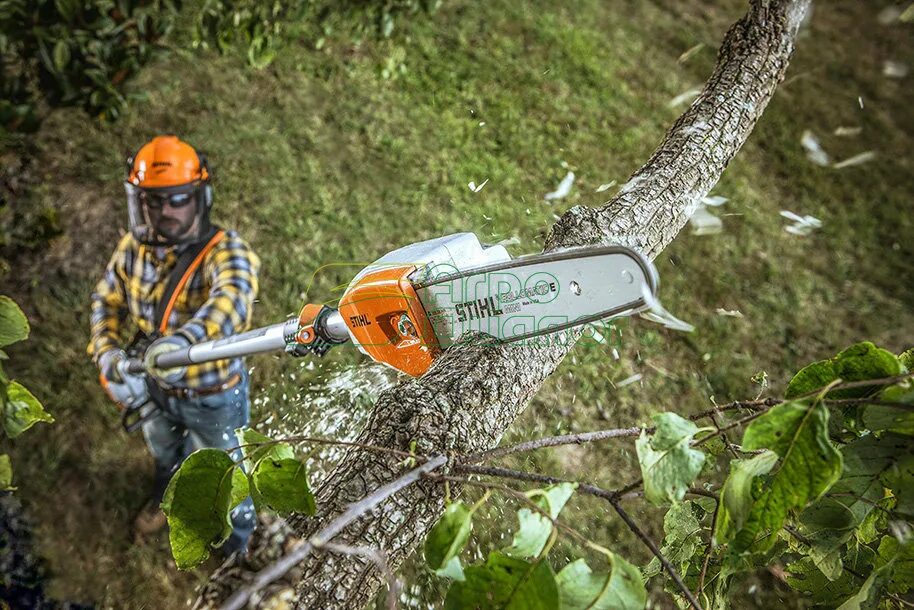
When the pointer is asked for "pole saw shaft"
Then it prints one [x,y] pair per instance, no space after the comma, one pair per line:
[275,337]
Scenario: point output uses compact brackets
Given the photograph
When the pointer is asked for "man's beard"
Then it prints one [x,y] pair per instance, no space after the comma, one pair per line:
[172,228]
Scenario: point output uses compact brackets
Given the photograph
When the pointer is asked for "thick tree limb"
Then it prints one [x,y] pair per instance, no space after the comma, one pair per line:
[475,391]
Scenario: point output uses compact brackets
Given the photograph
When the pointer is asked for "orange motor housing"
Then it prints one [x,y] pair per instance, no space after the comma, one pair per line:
[387,320]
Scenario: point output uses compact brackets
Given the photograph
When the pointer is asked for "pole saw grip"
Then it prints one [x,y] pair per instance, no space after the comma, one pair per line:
[135,366]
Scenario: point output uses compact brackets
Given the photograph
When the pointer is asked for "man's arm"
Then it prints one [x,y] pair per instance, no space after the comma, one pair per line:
[232,268]
[109,304]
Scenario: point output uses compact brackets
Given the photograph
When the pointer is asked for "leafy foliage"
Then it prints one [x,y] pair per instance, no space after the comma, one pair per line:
[283,485]
[859,362]
[14,326]
[68,52]
[521,576]
[833,496]
[209,484]
[620,589]
[197,504]
[260,29]
[20,409]
[669,463]
[449,536]
[535,527]
[798,433]
[834,501]
[505,582]
[6,473]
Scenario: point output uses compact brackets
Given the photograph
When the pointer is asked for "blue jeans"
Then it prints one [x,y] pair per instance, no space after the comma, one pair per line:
[184,425]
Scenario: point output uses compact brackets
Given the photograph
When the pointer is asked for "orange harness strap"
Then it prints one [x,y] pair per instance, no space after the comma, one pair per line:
[163,324]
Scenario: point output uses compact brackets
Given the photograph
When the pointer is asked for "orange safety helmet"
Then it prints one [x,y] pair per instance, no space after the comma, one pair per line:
[164,179]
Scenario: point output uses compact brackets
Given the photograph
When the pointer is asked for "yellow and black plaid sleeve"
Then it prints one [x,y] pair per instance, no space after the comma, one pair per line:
[109,304]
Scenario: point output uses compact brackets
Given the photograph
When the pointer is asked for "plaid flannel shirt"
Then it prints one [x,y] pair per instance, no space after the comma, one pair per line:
[216,301]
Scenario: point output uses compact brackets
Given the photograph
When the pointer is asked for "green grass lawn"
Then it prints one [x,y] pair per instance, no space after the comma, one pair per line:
[329,158]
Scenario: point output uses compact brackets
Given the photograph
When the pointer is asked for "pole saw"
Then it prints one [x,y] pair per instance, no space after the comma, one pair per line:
[412,304]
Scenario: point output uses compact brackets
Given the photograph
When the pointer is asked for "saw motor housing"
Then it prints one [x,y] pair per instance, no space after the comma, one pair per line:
[382,311]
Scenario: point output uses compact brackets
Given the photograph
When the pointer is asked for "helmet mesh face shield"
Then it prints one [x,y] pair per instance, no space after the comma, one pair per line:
[168,216]
[168,193]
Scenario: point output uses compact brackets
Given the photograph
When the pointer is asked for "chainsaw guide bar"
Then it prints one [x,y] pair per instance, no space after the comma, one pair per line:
[538,294]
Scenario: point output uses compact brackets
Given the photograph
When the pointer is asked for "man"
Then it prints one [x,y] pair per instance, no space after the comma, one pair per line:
[180,280]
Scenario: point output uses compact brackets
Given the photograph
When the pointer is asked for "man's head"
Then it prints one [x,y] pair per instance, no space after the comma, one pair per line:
[168,193]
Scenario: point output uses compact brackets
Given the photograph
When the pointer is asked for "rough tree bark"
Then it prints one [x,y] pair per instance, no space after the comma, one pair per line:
[476,390]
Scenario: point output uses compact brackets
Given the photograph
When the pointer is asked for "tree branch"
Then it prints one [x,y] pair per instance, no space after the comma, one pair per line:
[476,389]
[613,497]
[656,551]
[551,441]
[301,552]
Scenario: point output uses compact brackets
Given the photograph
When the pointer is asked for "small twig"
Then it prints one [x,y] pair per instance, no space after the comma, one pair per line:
[730,426]
[326,441]
[515,494]
[847,494]
[355,510]
[551,441]
[846,385]
[379,559]
[729,445]
[708,549]
[869,401]
[613,497]
[752,405]
[506,473]
[656,551]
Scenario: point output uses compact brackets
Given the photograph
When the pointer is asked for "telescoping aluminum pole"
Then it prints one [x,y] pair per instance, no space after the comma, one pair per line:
[258,341]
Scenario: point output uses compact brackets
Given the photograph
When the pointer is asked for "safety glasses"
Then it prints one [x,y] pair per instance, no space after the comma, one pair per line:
[158,200]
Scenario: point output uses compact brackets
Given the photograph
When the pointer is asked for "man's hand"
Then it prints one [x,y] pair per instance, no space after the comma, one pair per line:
[108,364]
[163,346]
[131,391]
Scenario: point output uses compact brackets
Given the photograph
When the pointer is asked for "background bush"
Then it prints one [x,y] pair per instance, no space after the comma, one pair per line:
[72,52]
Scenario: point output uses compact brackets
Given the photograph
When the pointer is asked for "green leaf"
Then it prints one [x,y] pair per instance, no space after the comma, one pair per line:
[452,569]
[851,499]
[283,485]
[857,363]
[805,577]
[14,326]
[867,596]
[6,473]
[256,447]
[739,493]
[197,504]
[809,464]
[832,521]
[505,583]
[900,558]
[22,410]
[535,529]
[894,419]
[449,536]
[899,477]
[620,589]
[682,538]
[907,359]
[61,55]
[668,463]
